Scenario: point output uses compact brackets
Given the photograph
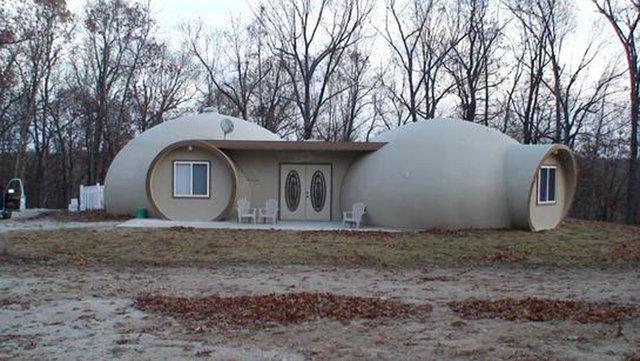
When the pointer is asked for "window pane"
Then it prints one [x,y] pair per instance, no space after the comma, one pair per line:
[542,179]
[200,185]
[552,185]
[183,180]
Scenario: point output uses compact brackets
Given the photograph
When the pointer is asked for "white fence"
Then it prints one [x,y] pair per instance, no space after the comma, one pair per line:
[91,197]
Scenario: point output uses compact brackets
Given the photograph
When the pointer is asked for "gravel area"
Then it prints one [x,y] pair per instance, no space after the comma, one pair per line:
[71,311]
[65,313]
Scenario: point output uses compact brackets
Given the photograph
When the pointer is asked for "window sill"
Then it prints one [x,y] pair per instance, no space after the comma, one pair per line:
[192,197]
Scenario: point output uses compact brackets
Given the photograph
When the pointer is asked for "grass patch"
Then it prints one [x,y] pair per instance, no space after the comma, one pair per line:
[574,244]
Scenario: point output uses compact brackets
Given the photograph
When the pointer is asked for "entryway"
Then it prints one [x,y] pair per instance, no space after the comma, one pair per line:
[305,191]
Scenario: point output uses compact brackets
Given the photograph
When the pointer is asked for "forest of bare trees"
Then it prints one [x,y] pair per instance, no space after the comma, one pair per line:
[76,86]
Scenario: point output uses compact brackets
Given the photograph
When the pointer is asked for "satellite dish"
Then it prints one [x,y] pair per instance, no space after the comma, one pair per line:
[227,126]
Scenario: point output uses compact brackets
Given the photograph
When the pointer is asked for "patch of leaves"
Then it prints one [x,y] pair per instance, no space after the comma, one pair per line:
[281,309]
[88,216]
[183,229]
[124,341]
[536,309]
[15,301]
[349,234]
[500,256]
[380,235]
[628,251]
[436,279]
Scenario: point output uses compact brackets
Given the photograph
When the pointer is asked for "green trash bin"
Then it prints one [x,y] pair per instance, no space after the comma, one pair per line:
[141,213]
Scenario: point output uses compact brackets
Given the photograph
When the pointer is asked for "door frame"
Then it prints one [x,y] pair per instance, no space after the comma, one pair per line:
[305,163]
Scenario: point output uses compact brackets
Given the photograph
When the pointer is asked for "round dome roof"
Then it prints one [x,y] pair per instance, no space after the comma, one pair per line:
[125,181]
[444,129]
[445,173]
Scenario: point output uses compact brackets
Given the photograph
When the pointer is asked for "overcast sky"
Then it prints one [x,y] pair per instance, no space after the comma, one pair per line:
[169,13]
[216,13]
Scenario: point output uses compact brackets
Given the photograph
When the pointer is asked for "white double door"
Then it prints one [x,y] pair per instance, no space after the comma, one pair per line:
[305,192]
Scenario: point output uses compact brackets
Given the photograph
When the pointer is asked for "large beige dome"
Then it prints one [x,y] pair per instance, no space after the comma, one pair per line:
[125,181]
[449,173]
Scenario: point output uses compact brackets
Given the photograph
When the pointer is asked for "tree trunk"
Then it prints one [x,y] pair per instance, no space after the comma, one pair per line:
[632,186]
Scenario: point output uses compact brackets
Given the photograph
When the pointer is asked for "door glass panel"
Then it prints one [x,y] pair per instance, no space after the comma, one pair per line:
[200,176]
[183,180]
[292,190]
[318,191]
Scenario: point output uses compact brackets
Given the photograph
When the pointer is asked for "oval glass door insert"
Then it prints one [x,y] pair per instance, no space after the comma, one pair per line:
[318,191]
[292,190]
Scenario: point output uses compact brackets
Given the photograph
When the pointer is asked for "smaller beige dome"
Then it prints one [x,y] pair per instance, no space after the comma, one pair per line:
[450,173]
[125,181]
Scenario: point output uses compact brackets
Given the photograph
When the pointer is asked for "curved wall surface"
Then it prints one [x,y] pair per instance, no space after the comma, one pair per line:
[437,173]
[222,184]
[125,181]
[522,165]
[449,173]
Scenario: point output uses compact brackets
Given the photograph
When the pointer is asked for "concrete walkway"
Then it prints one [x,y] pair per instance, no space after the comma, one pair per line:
[282,225]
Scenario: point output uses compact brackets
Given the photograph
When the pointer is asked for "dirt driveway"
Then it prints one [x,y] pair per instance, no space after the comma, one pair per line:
[49,312]
[69,294]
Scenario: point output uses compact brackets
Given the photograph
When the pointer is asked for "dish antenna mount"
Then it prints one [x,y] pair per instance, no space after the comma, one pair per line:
[227,126]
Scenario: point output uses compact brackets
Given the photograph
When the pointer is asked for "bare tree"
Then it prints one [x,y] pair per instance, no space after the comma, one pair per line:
[624,18]
[350,108]
[528,100]
[311,40]
[161,86]
[232,73]
[473,58]
[114,45]
[39,54]
[388,103]
[11,34]
[420,37]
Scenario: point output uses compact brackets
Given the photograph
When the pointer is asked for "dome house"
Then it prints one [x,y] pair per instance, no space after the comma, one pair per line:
[437,173]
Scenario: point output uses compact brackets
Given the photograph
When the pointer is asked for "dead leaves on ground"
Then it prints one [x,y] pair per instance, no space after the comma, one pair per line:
[536,309]
[627,251]
[87,216]
[281,309]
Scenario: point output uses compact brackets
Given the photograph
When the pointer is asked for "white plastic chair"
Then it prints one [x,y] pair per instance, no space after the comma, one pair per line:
[355,215]
[245,211]
[270,211]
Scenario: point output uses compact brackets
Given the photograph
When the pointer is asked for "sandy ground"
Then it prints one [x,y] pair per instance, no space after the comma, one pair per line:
[55,313]
[68,313]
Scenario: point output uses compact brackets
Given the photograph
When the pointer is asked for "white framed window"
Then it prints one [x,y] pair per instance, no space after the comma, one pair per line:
[191,179]
[547,184]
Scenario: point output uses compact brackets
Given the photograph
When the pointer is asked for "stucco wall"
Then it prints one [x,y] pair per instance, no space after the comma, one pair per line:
[125,181]
[433,174]
[522,165]
[547,216]
[262,172]
[190,209]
